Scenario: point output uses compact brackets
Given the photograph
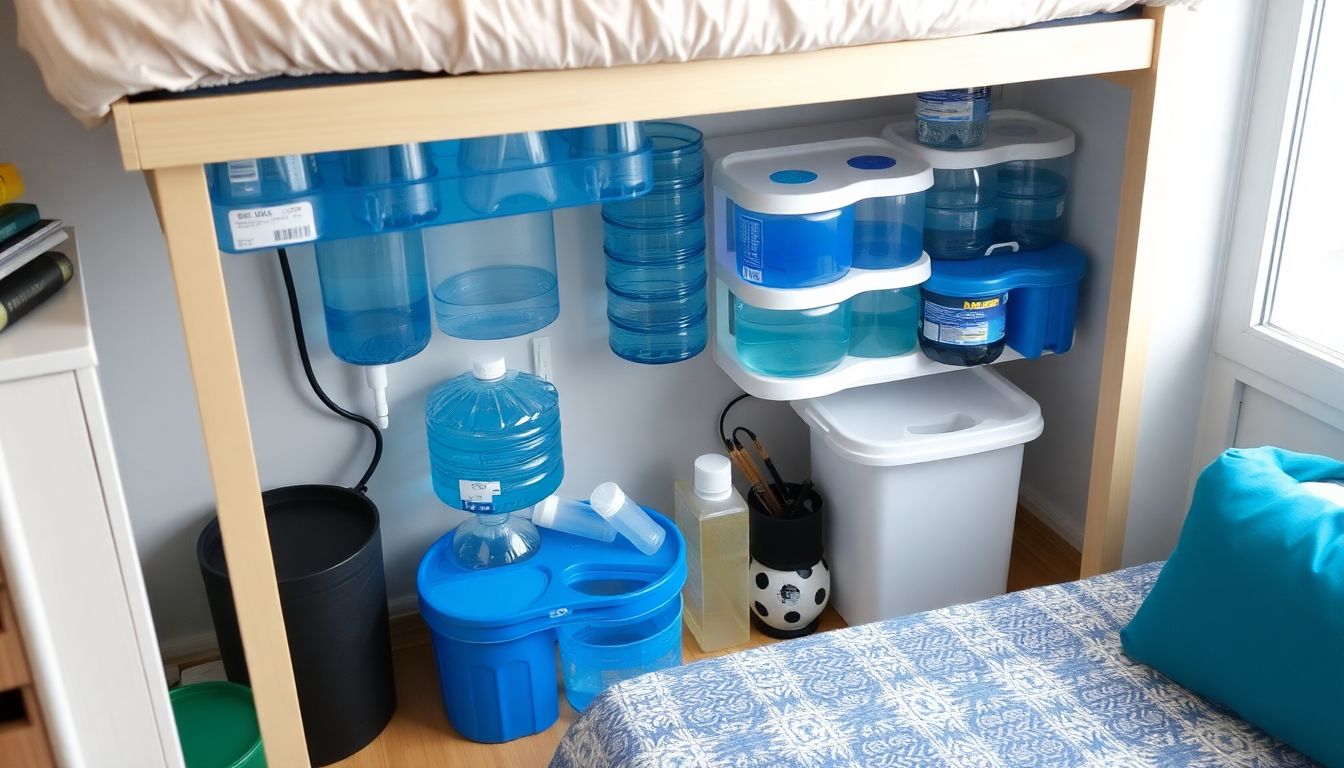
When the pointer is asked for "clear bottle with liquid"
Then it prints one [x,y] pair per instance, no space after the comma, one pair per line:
[494,448]
[713,520]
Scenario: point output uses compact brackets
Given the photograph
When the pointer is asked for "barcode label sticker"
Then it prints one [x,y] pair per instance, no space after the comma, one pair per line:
[273,225]
[243,172]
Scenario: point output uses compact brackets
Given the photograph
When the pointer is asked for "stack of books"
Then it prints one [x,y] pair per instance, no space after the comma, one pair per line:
[30,271]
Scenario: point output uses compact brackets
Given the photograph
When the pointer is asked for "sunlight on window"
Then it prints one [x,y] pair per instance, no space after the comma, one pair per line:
[1305,300]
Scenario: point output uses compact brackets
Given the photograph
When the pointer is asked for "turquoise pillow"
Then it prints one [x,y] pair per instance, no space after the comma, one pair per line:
[1249,610]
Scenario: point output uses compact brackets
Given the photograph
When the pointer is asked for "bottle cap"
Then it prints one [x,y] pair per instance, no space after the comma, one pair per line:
[713,477]
[607,499]
[543,513]
[488,367]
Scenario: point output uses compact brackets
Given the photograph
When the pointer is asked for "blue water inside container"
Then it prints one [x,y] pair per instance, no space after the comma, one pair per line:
[958,233]
[1032,222]
[374,296]
[883,323]
[886,244]
[497,302]
[594,656]
[952,119]
[793,251]
[791,342]
[504,431]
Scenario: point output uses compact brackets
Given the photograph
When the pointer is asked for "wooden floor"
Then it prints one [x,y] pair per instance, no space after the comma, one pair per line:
[420,735]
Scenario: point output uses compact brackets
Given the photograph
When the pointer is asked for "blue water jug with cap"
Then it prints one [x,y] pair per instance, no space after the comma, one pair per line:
[494,448]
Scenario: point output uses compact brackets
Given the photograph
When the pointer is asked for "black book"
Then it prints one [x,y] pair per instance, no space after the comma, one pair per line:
[32,284]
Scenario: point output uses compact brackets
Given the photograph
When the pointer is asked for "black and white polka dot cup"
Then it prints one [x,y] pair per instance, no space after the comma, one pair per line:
[790,579]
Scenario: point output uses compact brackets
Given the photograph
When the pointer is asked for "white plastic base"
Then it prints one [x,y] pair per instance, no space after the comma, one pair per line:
[911,538]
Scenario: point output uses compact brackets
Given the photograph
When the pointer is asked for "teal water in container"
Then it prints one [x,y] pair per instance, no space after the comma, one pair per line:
[375,297]
[494,448]
[883,323]
[594,656]
[790,342]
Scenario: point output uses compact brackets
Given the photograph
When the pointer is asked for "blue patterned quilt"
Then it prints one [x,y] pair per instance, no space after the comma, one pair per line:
[1033,678]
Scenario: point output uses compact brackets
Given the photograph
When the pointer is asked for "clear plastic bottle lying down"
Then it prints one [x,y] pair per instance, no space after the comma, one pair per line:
[573,517]
[627,518]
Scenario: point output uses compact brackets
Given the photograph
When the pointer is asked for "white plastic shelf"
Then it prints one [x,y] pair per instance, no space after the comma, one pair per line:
[853,372]
[854,282]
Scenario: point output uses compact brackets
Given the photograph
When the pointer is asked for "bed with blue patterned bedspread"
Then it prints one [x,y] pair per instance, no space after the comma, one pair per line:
[1033,678]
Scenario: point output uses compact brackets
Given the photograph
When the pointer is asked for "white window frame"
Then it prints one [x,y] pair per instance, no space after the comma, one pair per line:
[1287,49]
[1247,352]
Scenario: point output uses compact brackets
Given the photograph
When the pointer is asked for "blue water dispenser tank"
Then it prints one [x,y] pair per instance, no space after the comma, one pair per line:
[376,301]
[494,448]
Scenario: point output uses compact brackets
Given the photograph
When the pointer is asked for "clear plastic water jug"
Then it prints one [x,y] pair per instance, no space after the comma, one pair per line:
[952,119]
[375,297]
[494,448]
[494,278]
[389,202]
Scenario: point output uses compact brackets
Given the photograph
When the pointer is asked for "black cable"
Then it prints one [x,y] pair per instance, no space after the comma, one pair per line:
[363,484]
[724,416]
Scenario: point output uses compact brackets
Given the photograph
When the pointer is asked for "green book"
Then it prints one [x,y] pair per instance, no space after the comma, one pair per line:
[16,217]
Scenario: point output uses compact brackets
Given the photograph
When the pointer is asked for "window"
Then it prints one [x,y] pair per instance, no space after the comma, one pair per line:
[1282,310]
[1306,273]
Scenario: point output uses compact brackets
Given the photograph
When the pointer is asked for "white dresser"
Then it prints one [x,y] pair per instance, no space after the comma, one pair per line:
[66,550]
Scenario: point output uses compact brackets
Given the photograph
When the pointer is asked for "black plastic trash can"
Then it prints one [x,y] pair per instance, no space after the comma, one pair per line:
[328,555]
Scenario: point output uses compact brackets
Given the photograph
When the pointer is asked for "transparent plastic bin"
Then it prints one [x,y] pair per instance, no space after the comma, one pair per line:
[664,207]
[790,342]
[494,279]
[307,198]
[596,655]
[802,215]
[888,231]
[653,243]
[884,323]
[1031,196]
[658,312]
[793,251]
[374,296]
[959,233]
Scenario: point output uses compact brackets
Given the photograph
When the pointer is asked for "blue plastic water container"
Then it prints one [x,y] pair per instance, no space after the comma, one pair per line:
[306,198]
[596,655]
[656,305]
[494,632]
[884,323]
[790,342]
[953,118]
[495,278]
[1028,300]
[375,297]
[802,215]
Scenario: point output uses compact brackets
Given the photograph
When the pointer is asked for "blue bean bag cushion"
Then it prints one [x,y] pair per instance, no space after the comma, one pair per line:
[1249,610]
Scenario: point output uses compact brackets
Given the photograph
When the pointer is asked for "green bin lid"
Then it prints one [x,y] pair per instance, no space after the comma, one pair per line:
[217,725]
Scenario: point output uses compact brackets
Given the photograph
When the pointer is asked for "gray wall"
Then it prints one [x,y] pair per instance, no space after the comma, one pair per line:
[639,425]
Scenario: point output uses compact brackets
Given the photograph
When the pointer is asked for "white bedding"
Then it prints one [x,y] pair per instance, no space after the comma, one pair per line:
[93,52]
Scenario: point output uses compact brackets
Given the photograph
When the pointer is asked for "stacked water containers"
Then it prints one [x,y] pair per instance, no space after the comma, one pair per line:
[817,247]
[655,252]
[994,219]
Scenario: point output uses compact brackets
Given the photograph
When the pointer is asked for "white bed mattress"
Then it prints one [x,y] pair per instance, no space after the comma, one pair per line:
[93,52]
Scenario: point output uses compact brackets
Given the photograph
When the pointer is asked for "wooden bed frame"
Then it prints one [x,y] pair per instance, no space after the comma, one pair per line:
[171,140]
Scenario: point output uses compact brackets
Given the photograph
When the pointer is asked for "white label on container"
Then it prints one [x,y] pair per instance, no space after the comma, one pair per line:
[273,225]
[478,495]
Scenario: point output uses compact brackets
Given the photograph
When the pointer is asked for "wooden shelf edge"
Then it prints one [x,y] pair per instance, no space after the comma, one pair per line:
[190,131]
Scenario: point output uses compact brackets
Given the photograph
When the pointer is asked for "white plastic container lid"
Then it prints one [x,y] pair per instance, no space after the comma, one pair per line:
[1010,135]
[488,367]
[924,419]
[713,477]
[823,176]
[607,499]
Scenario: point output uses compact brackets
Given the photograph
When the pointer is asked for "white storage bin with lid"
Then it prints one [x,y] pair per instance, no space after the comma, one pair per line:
[1011,188]
[920,482]
[800,216]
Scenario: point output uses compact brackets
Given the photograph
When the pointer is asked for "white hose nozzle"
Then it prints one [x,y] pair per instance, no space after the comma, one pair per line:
[376,377]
